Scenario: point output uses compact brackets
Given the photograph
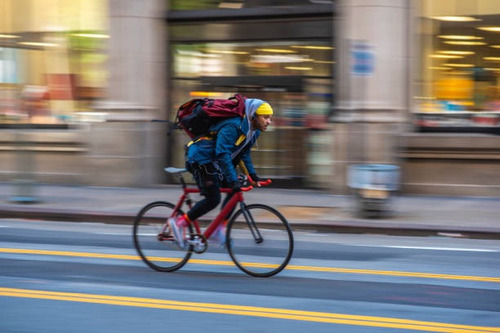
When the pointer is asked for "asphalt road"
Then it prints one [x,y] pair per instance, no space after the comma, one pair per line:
[86,277]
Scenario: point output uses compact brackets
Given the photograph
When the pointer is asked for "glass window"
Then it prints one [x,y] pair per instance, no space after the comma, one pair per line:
[204,69]
[265,58]
[460,65]
[234,4]
[295,77]
[278,51]
[52,58]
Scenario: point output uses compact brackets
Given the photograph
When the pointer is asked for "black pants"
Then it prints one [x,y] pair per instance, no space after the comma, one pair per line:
[209,181]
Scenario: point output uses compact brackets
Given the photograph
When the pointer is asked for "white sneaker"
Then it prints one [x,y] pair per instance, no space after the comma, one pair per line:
[178,232]
[218,237]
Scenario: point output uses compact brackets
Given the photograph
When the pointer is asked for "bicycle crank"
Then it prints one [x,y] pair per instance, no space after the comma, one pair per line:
[199,243]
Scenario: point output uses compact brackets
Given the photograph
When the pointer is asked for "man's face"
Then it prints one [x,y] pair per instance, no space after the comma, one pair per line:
[261,122]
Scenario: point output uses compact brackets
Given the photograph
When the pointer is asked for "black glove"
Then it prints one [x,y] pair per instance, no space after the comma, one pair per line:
[236,187]
[254,177]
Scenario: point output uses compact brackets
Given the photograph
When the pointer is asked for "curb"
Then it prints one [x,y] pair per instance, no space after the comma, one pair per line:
[319,225]
[66,215]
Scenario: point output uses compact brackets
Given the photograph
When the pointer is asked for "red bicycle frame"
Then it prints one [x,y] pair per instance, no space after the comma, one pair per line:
[230,205]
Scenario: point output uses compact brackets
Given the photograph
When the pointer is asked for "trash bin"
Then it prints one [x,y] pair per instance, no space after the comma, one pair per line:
[373,186]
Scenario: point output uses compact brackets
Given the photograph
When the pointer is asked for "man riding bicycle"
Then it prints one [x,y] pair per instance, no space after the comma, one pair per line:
[212,160]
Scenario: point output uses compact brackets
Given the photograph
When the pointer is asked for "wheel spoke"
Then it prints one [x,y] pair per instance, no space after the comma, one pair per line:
[260,240]
[152,241]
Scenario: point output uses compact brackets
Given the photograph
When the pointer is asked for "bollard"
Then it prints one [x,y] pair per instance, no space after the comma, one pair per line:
[25,168]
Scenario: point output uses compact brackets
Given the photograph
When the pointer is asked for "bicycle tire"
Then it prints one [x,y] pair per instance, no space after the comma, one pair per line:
[259,257]
[160,254]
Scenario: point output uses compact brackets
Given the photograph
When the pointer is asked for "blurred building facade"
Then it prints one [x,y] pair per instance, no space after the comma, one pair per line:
[413,83]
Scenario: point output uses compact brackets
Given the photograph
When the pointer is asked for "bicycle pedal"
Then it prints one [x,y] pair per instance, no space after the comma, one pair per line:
[166,237]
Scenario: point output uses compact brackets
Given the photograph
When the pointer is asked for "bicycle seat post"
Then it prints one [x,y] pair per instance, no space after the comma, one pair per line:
[189,201]
[183,182]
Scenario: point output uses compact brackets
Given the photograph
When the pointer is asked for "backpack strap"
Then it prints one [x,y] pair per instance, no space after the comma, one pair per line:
[240,140]
[198,139]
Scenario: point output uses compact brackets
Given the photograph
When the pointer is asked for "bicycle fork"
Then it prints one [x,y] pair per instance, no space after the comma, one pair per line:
[251,224]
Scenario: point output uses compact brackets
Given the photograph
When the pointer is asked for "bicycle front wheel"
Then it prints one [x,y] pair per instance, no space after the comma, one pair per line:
[152,241]
[259,240]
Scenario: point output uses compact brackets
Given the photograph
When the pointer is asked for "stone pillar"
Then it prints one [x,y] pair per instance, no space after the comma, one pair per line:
[137,52]
[127,149]
[372,101]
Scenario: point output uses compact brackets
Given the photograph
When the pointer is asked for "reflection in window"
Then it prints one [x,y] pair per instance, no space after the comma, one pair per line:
[231,59]
[460,58]
[294,76]
[52,59]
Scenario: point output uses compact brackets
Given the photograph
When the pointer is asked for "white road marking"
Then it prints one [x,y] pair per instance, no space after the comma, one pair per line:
[115,233]
[438,248]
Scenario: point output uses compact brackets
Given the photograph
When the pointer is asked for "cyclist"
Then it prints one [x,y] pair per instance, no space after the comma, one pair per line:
[212,160]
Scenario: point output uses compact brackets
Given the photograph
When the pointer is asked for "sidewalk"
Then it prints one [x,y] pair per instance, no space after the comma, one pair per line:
[305,209]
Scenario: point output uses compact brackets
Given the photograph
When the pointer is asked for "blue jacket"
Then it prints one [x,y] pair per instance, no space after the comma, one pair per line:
[227,148]
[232,144]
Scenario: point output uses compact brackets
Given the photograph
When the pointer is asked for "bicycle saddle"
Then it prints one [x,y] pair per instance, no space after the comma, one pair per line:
[175,170]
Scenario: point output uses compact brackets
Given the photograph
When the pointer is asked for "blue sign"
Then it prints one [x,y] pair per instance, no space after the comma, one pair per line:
[363,59]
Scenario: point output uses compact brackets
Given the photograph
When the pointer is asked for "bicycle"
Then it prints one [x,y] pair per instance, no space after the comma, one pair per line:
[259,239]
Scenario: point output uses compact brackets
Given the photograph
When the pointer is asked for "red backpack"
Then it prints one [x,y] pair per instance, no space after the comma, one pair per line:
[197,115]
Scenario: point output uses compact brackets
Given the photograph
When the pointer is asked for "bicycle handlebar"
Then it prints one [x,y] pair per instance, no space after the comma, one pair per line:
[249,187]
[265,182]
[259,183]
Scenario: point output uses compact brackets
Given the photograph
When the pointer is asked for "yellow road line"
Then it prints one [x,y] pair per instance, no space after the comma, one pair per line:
[397,273]
[230,309]
[289,267]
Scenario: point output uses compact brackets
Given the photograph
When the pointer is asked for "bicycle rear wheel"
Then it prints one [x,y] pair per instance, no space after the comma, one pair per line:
[151,242]
[259,240]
